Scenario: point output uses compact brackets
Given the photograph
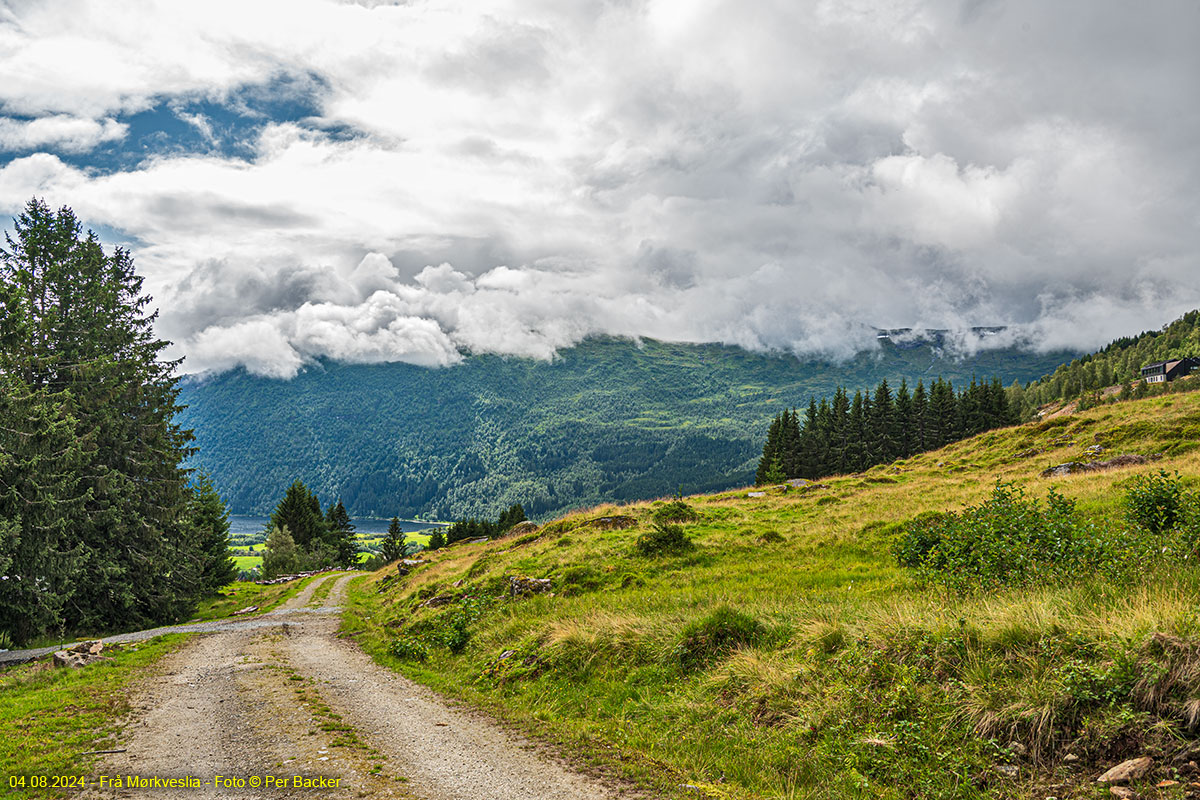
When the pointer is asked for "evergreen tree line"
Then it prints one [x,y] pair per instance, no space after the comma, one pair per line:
[100,525]
[1118,363]
[300,537]
[847,434]
[472,528]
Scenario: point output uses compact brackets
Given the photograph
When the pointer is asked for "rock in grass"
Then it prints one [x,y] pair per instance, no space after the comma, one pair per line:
[521,529]
[1008,770]
[519,587]
[1127,771]
[1123,792]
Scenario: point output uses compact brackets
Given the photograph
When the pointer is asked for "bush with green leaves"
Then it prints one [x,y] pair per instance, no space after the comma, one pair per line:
[409,648]
[717,635]
[1009,539]
[663,539]
[675,511]
[1157,503]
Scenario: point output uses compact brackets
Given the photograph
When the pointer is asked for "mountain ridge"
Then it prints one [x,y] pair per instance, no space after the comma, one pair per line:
[607,420]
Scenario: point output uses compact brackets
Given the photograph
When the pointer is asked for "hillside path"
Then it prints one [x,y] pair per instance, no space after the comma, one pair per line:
[288,697]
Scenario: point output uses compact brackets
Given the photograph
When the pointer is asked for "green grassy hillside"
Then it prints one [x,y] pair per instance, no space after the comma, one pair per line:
[787,655]
[609,420]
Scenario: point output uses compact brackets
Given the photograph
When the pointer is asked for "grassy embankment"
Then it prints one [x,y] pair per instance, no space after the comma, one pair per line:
[853,679]
[51,717]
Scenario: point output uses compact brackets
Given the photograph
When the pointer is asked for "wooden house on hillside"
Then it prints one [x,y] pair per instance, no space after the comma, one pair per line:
[1163,371]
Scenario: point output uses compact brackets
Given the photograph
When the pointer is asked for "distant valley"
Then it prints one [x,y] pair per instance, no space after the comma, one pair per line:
[608,420]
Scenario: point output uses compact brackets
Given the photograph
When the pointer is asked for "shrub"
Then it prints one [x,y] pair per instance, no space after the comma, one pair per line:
[1008,539]
[1155,503]
[409,648]
[453,627]
[675,511]
[662,539]
[717,635]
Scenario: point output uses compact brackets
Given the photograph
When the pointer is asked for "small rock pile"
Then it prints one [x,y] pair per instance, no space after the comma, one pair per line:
[80,655]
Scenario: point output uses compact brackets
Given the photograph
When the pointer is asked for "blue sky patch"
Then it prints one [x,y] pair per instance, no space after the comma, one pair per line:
[227,127]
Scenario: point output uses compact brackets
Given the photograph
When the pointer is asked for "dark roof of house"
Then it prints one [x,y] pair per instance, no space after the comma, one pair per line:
[1188,360]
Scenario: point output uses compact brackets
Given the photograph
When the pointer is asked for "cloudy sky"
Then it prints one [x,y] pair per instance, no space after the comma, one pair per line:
[379,181]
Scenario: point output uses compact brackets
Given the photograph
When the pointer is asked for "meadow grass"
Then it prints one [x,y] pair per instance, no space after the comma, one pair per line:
[858,679]
[52,717]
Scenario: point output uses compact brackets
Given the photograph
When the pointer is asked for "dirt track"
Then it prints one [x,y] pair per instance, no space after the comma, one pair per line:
[293,699]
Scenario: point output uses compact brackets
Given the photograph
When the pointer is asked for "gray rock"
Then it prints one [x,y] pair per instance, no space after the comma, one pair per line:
[756,494]
[519,587]
[1127,771]
[1008,770]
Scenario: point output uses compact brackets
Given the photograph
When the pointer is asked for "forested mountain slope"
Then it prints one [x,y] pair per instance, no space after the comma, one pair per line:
[610,419]
[1118,362]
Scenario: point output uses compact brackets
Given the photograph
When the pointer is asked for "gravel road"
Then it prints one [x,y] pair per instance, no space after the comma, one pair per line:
[280,696]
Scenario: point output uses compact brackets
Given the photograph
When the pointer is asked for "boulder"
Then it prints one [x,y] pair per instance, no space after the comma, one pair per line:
[1064,469]
[521,528]
[1127,771]
[439,600]
[756,494]
[1124,460]
[614,523]
[520,587]
[66,658]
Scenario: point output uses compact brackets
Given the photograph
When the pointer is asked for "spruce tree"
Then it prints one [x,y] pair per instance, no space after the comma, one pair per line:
[339,536]
[905,430]
[883,444]
[771,450]
[857,458]
[40,498]
[811,445]
[76,326]
[514,514]
[209,519]
[394,546]
[919,420]
[300,512]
